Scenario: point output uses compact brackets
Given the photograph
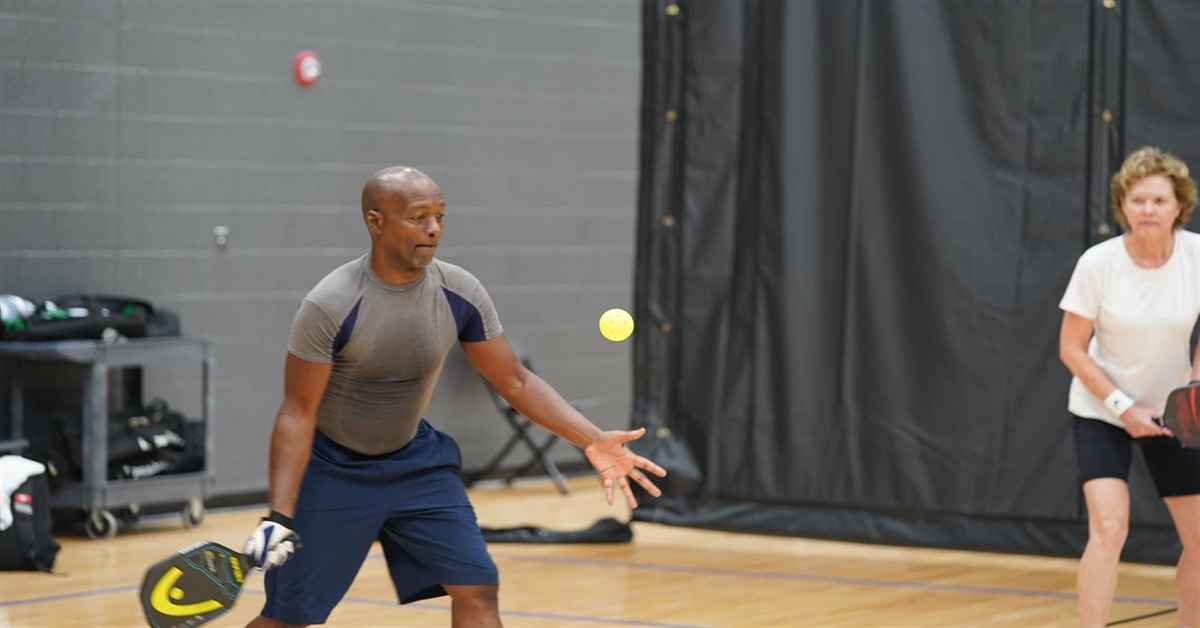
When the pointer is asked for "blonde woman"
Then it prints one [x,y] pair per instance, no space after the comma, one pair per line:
[1128,315]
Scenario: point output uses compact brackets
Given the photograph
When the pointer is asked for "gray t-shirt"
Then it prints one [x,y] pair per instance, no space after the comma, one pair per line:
[387,344]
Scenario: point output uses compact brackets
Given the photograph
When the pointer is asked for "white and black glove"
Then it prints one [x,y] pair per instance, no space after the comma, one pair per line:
[273,541]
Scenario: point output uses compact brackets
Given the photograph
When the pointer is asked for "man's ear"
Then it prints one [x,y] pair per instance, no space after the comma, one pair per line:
[374,220]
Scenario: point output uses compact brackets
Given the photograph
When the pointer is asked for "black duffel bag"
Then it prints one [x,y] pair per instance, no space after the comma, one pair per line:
[28,544]
[93,317]
[156,321]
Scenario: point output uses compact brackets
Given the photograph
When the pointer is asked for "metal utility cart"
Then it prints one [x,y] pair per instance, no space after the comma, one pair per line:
[97,495]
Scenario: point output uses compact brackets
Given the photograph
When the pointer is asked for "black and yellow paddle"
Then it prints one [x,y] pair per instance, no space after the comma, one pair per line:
[194,586]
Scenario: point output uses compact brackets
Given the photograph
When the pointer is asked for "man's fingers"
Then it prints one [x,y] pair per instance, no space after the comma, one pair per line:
[279,555]
[645,483]
[627,436]
[629,498]
[647,464]
[608,490]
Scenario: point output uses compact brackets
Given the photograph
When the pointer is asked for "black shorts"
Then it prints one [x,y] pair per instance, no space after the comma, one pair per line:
[1105,451]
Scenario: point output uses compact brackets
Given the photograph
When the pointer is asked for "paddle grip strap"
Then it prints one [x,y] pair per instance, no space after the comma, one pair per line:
[280,518]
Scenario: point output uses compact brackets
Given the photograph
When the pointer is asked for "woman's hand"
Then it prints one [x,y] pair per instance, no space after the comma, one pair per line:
[1139,422]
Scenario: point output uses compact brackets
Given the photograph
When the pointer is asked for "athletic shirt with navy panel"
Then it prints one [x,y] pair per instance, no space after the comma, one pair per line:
[387,344]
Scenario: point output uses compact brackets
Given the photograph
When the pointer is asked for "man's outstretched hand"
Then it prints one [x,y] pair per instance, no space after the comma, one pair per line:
[616,464]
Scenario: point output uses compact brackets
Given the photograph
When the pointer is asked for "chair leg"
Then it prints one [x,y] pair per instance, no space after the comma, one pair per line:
[492,465]
[539,457]
[539,454]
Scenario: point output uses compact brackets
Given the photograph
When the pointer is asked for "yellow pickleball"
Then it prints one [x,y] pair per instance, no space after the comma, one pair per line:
[616,324]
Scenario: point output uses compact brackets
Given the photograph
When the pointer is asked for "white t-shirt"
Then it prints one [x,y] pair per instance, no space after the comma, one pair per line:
[1143,319]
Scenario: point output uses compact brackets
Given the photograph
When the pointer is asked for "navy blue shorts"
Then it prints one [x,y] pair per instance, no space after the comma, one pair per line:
[1104,450]
[411,500]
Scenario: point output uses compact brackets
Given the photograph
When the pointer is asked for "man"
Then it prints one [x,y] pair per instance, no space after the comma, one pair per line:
[351,458]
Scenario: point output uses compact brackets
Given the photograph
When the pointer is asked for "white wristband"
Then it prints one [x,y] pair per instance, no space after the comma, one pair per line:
[1118,402]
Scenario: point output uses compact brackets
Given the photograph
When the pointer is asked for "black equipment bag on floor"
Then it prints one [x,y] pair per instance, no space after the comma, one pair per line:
[28,544]
[606,530]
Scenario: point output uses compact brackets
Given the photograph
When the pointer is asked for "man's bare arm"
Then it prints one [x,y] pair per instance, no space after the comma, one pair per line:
[291,441]
[528,393]
[534,398]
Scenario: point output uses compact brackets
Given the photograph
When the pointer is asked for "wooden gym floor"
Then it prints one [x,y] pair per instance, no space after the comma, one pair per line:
[667,577]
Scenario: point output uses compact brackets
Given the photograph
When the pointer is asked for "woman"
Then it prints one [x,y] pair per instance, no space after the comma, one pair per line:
[1128,315]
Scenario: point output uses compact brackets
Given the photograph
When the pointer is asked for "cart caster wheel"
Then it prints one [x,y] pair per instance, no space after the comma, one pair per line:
[101,524]
[193,512]
[129,515]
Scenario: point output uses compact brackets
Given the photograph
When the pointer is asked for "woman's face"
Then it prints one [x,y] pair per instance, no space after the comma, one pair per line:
[1150,206]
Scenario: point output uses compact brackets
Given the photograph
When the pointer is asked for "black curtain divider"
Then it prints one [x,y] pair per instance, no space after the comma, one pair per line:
[856,220]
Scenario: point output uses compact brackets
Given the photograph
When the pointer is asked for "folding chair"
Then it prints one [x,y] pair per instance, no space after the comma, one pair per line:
[520,425]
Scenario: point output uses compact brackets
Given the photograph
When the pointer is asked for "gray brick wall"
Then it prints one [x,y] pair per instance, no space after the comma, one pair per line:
[130,128]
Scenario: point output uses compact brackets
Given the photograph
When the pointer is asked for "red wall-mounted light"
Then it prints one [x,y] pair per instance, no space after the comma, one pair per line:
[307,67]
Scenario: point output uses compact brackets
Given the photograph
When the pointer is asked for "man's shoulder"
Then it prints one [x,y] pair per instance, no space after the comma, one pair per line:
[456,278]
[337,292]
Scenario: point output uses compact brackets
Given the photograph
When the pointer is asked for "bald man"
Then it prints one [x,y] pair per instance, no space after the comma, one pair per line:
[352,460]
